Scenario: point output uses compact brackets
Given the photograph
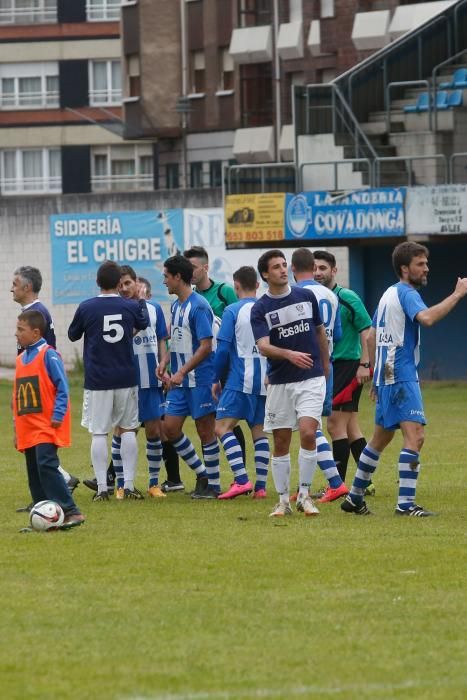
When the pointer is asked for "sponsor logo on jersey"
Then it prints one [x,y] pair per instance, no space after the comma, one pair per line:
[288,331]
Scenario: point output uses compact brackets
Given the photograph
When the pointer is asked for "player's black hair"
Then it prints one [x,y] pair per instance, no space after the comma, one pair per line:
[303,260]
[197,251]
[180,265]
[30,275]
[326,256]
[34,319]
[246,277]
[263,260]
[128,270]
[108,275]
[405,252]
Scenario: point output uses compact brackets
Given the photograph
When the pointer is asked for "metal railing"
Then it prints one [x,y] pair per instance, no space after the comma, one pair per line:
[106,11]
[31,185]
[404,83]
[29,100]
[335,164]
[28,15]
[408,160]
[452,164]
[113,183]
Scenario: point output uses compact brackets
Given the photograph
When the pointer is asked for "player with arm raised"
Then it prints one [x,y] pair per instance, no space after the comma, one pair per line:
[395,335]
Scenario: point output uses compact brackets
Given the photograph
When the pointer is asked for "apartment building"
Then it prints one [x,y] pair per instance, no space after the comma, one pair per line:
[60,101]
[211,80]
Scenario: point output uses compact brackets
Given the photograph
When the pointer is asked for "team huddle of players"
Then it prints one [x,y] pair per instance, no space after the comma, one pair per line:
[228,356]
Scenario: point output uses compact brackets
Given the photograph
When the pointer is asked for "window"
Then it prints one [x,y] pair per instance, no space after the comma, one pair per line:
[196,175]
[29,85]
[31,171]
[254,13]
[198,72]
[256,94]
[215,173]
[103,10]
[28,11]
[105,83]
[172,176]
[126,167]
[226,81]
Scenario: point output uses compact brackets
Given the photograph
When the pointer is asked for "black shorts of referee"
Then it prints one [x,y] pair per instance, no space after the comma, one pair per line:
[345,372]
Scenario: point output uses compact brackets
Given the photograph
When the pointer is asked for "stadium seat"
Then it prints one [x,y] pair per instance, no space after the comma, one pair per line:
[459,80]
[442,100]
[456,98]
[422,104]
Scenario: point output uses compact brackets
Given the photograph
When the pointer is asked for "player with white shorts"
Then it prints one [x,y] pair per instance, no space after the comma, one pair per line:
[289,331]
[110,399]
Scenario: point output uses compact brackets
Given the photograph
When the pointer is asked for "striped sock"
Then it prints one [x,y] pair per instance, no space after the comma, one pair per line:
[326,461]
[117,460]
[233,452]
[187,452]
[211,454]
[307,463]
[154,457]
[409,468]
[366,466]
[261,446]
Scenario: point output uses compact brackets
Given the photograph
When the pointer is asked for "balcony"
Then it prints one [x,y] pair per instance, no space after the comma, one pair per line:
[122,183]
[31,185]
[24,12]
[29,100]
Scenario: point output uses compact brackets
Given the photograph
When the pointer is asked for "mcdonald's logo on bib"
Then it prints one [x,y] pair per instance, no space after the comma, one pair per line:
[28,395]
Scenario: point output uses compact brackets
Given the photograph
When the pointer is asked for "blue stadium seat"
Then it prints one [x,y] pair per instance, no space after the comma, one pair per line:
[459,80]
[422,104]
[456,98]
[442,100]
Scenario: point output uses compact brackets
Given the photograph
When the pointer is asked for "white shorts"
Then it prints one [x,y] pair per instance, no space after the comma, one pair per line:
[105,409]
[287,403]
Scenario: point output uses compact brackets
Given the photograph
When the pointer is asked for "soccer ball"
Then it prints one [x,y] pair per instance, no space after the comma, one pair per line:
[46,515]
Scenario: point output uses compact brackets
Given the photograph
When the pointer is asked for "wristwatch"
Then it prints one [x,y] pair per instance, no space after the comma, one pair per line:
[366,365]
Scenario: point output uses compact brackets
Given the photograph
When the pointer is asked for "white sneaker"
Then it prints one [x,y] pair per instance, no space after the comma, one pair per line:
[306,505]
[280,510]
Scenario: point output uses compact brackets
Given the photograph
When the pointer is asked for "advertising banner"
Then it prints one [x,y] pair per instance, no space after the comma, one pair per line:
[436,210]
[361,214]
[81,242]
[254,218]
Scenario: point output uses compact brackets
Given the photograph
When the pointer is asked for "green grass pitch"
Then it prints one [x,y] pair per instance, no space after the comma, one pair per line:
[184,600]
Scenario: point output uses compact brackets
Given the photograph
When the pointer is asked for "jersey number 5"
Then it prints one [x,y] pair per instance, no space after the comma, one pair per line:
[113,331]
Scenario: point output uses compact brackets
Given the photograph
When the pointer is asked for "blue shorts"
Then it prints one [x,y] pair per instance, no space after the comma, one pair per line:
[195,402]
[151,403]
[236,404]
[396,403]
[327,404]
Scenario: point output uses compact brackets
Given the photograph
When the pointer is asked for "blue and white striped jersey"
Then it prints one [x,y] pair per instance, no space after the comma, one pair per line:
[192,321]
[247,368]
[397,335]
[329,309]
[145,347]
